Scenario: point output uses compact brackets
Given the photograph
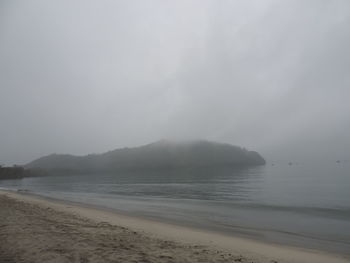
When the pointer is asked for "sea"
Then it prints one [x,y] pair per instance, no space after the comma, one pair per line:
[301,204]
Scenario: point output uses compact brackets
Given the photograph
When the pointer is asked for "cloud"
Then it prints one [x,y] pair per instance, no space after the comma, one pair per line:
[85,76]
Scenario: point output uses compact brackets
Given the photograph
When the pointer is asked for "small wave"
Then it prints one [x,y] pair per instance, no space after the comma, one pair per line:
[23,191]
[7,189]
[343,213]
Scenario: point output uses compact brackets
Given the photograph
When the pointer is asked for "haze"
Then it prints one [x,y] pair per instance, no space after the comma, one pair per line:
[85,77]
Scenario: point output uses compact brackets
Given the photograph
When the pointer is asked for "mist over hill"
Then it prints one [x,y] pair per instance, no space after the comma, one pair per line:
[164,154]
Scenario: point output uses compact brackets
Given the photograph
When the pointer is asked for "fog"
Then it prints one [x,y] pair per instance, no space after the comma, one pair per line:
[85,77]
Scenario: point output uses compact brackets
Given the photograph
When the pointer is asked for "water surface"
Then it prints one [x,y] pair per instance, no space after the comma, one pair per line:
[304,205]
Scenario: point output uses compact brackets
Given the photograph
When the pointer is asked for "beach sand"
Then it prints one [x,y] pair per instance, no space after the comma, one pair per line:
[34,229]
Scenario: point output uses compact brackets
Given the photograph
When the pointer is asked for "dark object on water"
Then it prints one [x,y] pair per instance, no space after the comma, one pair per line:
[338,161]
[290,163]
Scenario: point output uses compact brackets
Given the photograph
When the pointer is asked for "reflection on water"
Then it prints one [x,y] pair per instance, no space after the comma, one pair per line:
[202,184]
[300,204]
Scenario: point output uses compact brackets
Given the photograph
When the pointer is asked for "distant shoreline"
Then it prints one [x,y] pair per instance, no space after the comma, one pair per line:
[251,250]
[19,172]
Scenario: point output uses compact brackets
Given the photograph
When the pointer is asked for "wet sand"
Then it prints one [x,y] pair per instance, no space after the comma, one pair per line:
[34,229]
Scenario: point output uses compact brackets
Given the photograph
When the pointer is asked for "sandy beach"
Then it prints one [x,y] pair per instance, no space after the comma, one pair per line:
[34,229]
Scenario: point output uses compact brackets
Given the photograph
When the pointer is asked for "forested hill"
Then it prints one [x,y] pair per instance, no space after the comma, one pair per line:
[164,154]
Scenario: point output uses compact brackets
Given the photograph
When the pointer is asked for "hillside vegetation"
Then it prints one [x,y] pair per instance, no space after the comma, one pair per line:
[159,155]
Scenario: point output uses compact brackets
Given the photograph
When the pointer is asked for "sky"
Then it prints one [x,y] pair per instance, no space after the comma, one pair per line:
[80,76]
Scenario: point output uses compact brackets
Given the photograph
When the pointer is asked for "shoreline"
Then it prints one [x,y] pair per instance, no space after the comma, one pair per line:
[252,250]
[261,235]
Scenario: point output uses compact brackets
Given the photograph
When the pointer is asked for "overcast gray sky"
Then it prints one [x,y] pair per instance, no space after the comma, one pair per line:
[90,76]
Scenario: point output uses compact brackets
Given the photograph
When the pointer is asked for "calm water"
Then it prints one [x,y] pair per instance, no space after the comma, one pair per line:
[303,205]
